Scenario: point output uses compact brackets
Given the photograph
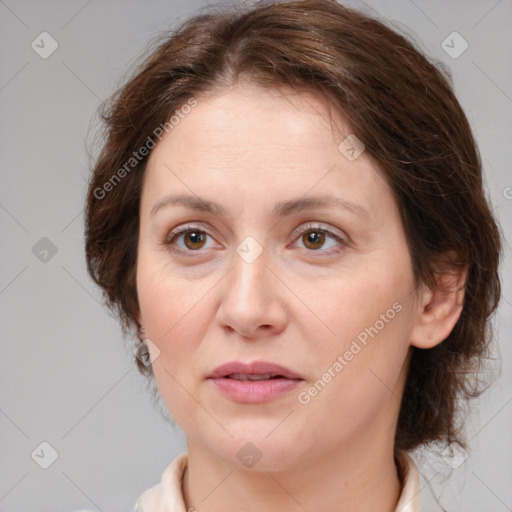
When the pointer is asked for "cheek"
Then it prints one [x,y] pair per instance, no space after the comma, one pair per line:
[172,310]
[365,298]
[172,315]
[367,324]
[164,296]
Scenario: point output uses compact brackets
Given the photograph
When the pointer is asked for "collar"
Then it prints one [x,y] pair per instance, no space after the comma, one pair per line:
[167,495]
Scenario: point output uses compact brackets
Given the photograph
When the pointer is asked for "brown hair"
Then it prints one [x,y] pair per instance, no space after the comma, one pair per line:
[398,103]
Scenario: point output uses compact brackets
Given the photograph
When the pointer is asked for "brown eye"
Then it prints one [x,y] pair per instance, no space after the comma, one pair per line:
[187,239]
[194,239]
[313,239]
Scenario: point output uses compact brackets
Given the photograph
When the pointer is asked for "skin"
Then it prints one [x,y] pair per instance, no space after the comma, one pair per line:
[300,304]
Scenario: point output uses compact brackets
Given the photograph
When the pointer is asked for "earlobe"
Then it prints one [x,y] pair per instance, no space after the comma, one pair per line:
[439,308]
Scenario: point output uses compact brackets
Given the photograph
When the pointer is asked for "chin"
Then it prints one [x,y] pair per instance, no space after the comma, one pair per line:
[253,451]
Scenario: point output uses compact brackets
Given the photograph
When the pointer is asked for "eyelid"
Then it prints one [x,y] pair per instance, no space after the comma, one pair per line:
[183,228]
[310,226]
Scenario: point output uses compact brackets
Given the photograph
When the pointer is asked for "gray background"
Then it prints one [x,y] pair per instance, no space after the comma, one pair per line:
[66,375]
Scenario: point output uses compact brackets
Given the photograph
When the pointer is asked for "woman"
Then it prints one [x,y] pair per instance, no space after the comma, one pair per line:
[288,207]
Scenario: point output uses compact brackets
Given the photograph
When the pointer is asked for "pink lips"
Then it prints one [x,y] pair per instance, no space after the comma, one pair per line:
[232,380]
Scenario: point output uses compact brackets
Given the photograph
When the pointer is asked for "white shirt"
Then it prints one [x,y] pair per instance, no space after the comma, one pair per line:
[167,495]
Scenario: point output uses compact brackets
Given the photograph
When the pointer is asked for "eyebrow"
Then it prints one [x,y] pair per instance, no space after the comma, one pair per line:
[280,210]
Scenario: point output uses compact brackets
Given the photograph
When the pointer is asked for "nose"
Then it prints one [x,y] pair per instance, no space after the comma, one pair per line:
[253,301]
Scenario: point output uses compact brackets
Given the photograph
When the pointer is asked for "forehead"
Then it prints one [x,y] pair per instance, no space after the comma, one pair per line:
[259,121]
[301,118]
[265,142]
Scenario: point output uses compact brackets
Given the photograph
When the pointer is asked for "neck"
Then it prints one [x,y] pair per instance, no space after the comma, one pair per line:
[351,478]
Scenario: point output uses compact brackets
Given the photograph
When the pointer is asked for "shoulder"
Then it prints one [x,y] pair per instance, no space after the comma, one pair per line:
[166,496]
[409,500]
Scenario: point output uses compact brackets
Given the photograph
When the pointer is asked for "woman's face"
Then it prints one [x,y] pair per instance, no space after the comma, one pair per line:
[265,282]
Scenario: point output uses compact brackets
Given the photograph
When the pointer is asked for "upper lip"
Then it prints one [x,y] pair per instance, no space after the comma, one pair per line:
[254,368]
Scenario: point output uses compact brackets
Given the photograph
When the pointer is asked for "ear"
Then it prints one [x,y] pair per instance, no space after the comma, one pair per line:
[140,326]
[439,307]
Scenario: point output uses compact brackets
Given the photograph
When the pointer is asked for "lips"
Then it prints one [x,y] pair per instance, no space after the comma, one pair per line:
[257,370]
[254,383]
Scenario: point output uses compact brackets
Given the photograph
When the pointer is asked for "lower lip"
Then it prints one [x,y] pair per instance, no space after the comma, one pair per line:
[256,391]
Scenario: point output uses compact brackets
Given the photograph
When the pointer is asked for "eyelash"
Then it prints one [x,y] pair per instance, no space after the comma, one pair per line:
[173,235]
